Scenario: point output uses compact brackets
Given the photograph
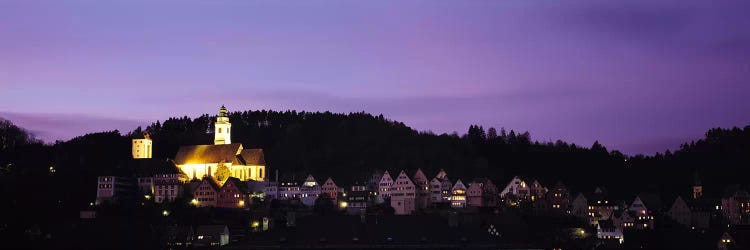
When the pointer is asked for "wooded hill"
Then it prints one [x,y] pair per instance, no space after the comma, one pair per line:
[349,147]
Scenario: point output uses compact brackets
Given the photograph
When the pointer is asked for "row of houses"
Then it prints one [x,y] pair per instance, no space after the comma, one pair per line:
[405,194]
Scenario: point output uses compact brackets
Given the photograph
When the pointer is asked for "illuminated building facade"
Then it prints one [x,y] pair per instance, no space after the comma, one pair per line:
[205,160]
[458,195]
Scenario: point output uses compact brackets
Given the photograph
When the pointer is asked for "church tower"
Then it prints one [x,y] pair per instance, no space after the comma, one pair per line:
[697,186]
[142,147]
[222,127]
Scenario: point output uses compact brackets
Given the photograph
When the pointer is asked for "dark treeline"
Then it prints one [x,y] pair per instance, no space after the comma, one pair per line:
[349,147]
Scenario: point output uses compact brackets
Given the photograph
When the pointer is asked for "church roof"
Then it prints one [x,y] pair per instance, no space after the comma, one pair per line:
[253,157]
[199,154]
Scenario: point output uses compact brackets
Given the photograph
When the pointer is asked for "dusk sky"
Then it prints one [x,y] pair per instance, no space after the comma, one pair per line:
[639,76]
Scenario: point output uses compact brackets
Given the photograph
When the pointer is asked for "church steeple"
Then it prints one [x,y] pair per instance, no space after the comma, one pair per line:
[222,128]
[697,186]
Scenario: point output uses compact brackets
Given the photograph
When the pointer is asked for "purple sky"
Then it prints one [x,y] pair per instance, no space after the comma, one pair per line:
[639,76]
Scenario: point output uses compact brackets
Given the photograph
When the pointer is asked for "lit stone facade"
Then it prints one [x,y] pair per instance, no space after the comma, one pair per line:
[142,147]
[204,160]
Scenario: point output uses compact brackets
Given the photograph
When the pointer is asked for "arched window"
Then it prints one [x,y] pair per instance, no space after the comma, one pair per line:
[219,130]
[260,173]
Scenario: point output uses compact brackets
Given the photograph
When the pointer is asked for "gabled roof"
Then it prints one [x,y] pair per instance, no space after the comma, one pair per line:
[383,177]
[200,154]
[420,175]
[237,183]
[441,174]
[212,182]
[252,157]
[459,185]
[331,180]
[310,182]
[403,175]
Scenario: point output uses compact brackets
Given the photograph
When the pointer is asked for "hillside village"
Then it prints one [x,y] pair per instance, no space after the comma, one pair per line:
[227,176]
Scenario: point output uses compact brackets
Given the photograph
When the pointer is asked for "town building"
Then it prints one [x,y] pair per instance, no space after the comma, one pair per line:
[207,160]
[309,191]
[445,186]
[207,193]
[458,195]
[559,198]
[358,199]
[592,207]
[436,195]
[422,185]
[680,212]
[516,189]
[606,230]
[113,189]
[403,194]
[735,205]
[644,216]
[233,194]
[384,186]
[271,191]
[331,190]
[474,194]
[481,193]
[289,190]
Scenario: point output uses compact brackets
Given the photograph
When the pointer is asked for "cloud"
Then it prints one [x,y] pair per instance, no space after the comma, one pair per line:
[51,127]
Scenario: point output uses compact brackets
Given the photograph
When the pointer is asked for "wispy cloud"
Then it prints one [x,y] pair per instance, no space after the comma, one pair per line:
[51,127]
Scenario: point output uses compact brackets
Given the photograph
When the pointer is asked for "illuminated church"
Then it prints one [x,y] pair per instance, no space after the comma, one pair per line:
[198,161]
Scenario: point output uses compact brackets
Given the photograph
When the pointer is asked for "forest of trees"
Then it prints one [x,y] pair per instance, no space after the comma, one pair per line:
[349,147]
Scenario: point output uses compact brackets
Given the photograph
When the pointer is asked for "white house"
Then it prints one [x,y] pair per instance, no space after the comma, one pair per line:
[403,195]
[384,185]
[606,230]
[309,191]
[289,190]
[458,195]
[515,188]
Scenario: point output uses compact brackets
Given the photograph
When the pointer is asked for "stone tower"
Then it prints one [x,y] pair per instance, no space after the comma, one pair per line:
[222,128]
[142,147]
